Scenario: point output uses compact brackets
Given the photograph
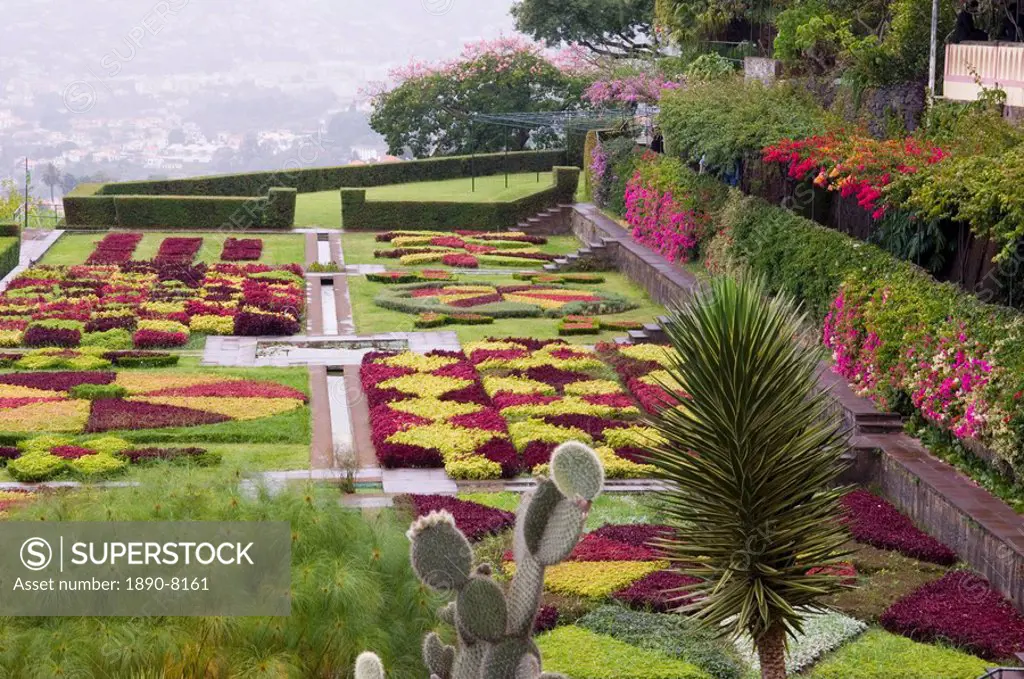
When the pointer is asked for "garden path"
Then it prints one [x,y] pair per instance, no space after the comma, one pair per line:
[34,244]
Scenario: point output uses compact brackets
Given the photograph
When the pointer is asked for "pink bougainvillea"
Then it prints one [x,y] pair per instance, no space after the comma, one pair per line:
[658,221]
[643,88]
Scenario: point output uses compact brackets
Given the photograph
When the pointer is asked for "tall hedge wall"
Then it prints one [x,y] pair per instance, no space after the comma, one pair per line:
[309,180]
[10,250]
[357,213]
[84,207]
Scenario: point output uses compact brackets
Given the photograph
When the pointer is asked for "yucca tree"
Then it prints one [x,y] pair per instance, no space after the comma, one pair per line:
[752,452]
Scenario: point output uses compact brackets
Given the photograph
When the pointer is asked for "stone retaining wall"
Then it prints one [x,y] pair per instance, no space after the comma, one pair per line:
[983,530]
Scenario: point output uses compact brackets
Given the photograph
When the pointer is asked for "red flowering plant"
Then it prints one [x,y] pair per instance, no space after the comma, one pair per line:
[853,165]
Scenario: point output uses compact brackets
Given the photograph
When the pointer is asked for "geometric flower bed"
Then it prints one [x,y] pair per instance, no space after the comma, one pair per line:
[49,457]
[100,401]
[959,608]
[177,251]
[242,249]
[641,367]
[551,392]
[430,410]
[86,358]
[463,249]
[476,521]
[618,561]
[500,301]
[149,305]
[115,248]
[873,521]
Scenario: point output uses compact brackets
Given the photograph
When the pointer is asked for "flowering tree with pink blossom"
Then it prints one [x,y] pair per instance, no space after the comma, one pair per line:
[640,88]
[427,109]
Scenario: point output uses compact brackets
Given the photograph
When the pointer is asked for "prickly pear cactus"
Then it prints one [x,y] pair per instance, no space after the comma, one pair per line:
[495,624]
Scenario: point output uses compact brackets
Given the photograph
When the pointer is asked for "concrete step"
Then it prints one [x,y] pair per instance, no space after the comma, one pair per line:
[552,268]
[652,328]
[584,252]
[623,341]
[637,335]
[560,261]
[573,256]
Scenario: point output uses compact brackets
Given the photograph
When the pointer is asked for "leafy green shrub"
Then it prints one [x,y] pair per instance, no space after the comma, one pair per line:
[674,635]
[10,251]
[114,339]
[724,120]
[35,466]
[710,66]
[140,360]
[813,38]
[796,255]
[95,466]
[880,655]
[96,392]
[586,655]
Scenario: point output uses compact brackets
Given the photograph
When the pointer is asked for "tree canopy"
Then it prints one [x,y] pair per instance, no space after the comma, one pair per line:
[429,111]
[612,28]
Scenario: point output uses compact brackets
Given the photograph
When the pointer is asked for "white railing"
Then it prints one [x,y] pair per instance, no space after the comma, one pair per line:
[971,65]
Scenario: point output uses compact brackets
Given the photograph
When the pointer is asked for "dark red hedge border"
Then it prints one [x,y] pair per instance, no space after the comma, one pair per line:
[959,608]
[476,521]
[875,522]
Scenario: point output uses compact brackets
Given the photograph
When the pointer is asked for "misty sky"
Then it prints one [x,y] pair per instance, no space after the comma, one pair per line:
[341,43]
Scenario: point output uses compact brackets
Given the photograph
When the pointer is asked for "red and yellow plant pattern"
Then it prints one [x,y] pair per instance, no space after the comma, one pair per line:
[42,401]
[65,305]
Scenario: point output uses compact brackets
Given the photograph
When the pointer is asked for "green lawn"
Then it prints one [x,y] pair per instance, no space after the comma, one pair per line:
[359,249]
[370,318]
[324,207]
[284,248]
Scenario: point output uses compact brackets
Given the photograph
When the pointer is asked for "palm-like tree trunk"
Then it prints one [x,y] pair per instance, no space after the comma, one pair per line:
[771,651]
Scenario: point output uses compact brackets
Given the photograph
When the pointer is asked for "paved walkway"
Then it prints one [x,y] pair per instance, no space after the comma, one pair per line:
[34,244]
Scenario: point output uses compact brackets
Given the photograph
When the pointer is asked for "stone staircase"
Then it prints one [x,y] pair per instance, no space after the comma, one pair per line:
[651,333]
[591,251]
[550,222]
[1006,672]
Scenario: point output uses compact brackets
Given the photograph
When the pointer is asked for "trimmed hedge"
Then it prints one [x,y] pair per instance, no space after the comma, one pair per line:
[358,213]
[309,180]
[10,229]
[86,206]
[10,252]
